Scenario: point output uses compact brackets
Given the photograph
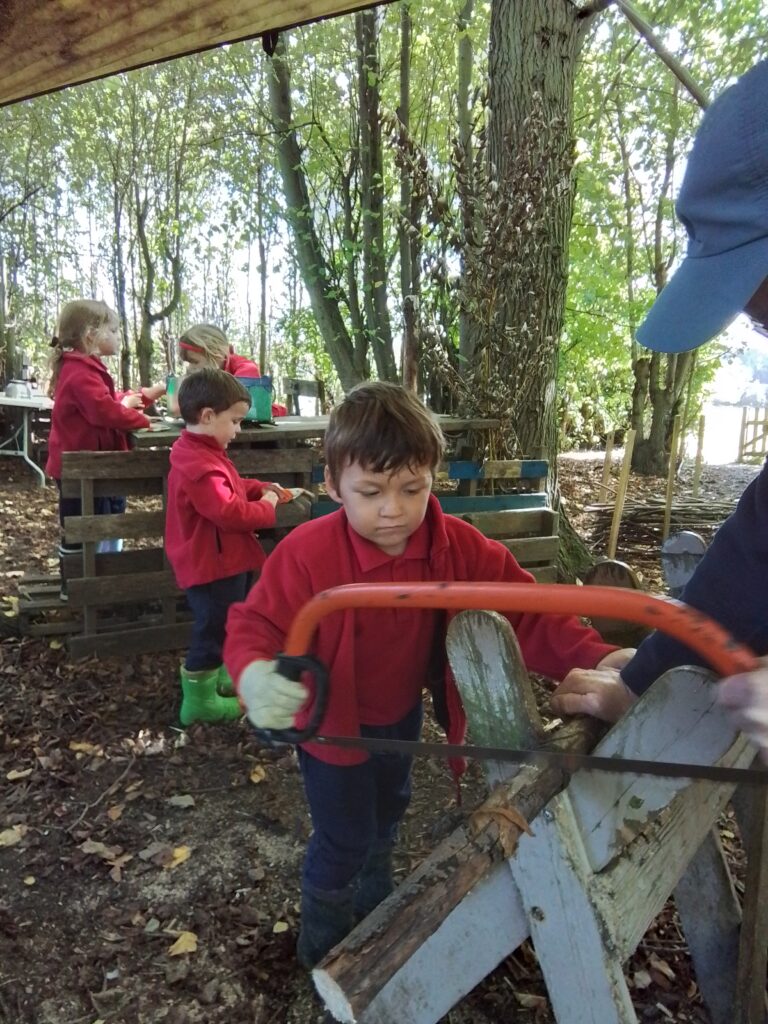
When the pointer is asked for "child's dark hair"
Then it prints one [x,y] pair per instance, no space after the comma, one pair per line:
[383,427]
[209,388]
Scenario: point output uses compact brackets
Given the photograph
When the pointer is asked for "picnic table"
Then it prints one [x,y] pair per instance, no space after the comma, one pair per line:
[18,443]
[287,430]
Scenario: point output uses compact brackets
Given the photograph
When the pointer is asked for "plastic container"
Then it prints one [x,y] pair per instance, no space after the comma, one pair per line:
[260,390]
[171,383]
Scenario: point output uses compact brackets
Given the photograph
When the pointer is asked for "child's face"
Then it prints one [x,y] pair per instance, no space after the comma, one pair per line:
[106,339]
[385,508]
[197,359]
[224,426]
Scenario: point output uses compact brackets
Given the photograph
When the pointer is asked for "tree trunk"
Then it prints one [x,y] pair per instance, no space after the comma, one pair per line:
[314,268]
[465,65]
[378,325]
[534,48]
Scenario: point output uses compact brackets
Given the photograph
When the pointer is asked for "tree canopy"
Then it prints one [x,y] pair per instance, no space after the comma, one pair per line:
[364,202]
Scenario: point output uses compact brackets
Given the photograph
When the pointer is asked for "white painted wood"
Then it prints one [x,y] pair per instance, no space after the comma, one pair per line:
[709,910]
[634,887]
[676,720]
[584,977]
[495,689]
[487,926]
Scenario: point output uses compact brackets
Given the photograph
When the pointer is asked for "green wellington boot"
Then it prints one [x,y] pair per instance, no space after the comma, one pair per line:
[200,701]
[224,686]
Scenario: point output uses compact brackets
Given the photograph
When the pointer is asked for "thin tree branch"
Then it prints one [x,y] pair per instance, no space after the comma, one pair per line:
[596,7]
[660,49]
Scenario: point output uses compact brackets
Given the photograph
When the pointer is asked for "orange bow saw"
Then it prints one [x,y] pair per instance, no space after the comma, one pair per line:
[692,628]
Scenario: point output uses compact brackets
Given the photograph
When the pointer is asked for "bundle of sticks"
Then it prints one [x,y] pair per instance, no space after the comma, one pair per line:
[643,521]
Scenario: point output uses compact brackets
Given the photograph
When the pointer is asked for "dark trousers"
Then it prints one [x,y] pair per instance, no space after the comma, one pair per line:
[355,809]
[210,604]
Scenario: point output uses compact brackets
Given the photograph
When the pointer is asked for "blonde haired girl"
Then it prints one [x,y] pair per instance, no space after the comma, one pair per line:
[207,345]
[88,414]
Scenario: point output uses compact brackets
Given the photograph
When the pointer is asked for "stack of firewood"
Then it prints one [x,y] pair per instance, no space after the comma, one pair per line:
[642,521]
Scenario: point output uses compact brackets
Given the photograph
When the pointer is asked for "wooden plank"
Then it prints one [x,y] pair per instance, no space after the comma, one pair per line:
[634,887]
[514,523]
[113,563]
[492,502]
[585,983]
[292,429]
[47,44]
[139,464]
[750,1007]
[508,469]
[125,587]
[483,929]
[113,465]
[54,627]
[124,487]
[678,720]
[152,524]
[79,529]
[469,505]
[532,549]
[543,573]
[709,911]
[495,689]
[141,640]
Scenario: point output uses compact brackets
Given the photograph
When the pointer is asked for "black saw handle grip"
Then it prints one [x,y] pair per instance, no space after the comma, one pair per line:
[292,666]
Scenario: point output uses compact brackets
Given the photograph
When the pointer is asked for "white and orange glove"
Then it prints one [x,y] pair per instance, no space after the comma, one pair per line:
[269,699]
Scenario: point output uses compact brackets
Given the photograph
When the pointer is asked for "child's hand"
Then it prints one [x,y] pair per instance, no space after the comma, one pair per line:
[132,401]
[746,697]
[154,392]
[599,692]
[283,494]
[270,497]
[269,699]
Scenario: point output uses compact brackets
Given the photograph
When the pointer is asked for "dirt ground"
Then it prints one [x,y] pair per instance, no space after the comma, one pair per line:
[150,874]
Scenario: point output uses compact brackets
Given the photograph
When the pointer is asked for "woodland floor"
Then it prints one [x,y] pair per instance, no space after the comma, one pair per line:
[121,834]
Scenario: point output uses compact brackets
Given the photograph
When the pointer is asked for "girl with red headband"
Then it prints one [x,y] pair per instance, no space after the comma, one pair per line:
[207,345]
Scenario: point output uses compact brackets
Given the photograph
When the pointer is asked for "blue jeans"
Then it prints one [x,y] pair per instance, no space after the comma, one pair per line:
[355,809]
[210,603]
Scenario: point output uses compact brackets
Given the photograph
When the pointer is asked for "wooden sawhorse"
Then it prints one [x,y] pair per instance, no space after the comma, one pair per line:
[605,853]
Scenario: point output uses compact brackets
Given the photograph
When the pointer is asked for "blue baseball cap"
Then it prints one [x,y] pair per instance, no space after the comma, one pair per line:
[723,203]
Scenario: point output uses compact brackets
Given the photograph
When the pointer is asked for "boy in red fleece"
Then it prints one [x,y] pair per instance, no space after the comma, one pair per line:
[382,449]
[209,533]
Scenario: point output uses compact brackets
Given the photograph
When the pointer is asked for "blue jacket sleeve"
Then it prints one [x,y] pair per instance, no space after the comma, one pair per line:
[730,585]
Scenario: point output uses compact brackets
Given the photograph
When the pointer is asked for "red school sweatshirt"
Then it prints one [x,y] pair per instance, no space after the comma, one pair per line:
[87,413]
[212,513]
[379,660]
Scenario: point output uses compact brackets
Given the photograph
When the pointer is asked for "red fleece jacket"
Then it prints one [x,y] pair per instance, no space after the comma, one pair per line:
[378,661]
[212,514]
[87,413]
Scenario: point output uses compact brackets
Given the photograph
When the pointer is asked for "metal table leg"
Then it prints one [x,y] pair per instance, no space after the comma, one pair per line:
[20,438]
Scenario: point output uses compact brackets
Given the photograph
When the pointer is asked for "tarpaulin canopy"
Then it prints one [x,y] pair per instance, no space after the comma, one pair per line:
[48,44]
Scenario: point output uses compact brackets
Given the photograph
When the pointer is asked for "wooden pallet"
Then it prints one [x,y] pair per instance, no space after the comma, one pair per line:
[129,600]
[41,610]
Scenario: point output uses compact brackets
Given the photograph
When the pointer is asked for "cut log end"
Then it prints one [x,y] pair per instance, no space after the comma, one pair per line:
[336,1003]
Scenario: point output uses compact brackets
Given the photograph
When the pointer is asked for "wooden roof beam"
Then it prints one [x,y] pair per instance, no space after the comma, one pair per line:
[46,45]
